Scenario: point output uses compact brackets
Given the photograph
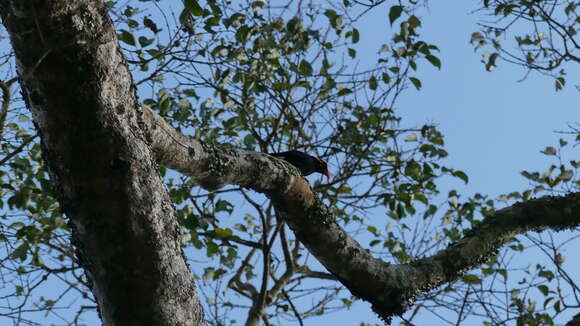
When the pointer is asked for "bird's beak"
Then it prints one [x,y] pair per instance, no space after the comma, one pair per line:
[326,174]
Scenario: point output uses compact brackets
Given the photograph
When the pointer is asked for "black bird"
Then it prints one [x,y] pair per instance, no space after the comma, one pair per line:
[305,163]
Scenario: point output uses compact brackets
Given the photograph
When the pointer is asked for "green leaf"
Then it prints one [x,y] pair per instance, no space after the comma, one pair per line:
[250,141]
[471,279]
[549,275]
[414,22]
[304,68]
[212,248]
[347,302]
[193,7]
[558,306]
[544,289]
[386,78]
[549,151]
[503,272]
[223,205]
[434,60]
[143,41]
[223,233]
[547,302]
[20,252]
[355,35]
[566,175]
[373,83]
[491,62]
[344,91]
[461,175]
[374,242]
[411,138]
[126,37]
[416,82]
[394,13]
[560,82]
[351,52]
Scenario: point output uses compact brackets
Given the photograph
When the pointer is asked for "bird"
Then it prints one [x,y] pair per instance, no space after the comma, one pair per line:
[307,164]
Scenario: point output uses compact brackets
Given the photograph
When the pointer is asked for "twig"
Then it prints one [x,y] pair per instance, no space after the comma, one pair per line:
[18,149]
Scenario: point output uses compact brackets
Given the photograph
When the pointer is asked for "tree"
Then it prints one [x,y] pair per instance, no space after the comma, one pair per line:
[278,86]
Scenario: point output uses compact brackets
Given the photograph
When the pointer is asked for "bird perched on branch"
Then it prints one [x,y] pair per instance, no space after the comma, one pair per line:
[305,163]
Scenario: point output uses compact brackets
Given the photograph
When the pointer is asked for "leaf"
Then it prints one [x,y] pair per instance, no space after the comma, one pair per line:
[386,78]
[223,233]
[304,68]
[344,91]
[193,7]
[416,82]
[560,82]
[544,289]
[503,272]
[373,83]
[434,60]
[126,37]
[547,302]
[250,141]
[414,22]
[223,205]
[143,41]
[476,36]
[372,229]
[558,306]
[411,137]
[461,175]
[355,35]
[20,252]
[471,279]
[549,151]
[351,52]
[394,13]
[374,242]
[212,249]
[566,175]
[491,62]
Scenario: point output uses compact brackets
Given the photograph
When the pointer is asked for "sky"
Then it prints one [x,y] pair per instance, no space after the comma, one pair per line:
[494,126]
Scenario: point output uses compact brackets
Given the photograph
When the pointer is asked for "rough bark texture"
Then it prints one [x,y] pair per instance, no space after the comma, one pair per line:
[78,87]
[390,288]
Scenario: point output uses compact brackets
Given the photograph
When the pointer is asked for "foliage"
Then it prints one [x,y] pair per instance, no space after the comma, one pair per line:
[544,33]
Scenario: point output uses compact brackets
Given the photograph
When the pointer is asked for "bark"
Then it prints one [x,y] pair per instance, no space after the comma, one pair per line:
[575,321]
[81,94]
[390,288]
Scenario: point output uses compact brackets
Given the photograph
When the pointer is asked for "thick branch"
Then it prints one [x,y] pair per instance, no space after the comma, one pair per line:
[389,288]
[79,89]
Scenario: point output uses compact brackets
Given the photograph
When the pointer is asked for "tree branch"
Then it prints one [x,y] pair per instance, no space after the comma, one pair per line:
[390,288]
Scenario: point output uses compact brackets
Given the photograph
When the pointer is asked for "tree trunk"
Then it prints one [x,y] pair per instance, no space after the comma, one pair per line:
[81,94]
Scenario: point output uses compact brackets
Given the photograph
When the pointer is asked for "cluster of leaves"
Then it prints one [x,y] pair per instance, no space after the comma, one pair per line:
[548,47]
[527,295]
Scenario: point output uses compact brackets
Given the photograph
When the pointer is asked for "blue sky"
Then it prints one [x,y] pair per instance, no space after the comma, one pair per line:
[494,126]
